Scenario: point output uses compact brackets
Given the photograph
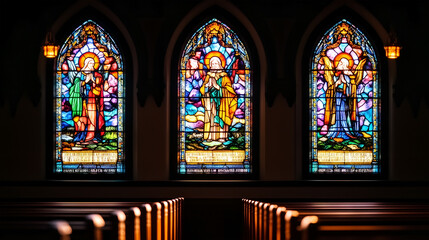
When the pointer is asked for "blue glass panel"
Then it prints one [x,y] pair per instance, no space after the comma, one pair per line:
[343,87]
[89,104]
[214,97]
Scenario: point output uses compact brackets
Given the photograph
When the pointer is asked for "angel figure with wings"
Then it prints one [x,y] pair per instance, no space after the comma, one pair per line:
[343,75]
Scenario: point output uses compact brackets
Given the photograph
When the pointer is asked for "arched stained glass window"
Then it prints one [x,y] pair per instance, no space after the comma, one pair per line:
[214,103]
[344,104]
[89,104]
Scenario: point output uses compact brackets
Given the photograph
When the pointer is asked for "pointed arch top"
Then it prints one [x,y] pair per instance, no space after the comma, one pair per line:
[215,102]
[89,100]
[231,13]
[225,38]
[91,39]
[346,35]
[345,105]
[360,17]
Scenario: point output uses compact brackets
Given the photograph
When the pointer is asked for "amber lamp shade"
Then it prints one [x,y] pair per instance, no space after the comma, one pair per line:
[50,50]
[392,51]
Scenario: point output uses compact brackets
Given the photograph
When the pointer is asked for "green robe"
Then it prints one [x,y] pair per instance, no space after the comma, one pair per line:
[76,98]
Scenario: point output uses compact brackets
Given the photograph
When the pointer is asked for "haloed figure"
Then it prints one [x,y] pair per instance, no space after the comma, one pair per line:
[219,100]
[341,115]
[87,104]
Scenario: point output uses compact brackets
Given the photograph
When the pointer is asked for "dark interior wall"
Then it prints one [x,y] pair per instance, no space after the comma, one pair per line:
[280,25]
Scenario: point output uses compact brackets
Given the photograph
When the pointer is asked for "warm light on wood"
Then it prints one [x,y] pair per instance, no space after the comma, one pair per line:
[307,220]
[290,214]
[260,218]
[170,219]
[63,229]
[148,209]
[271,210]
[265,220]
[136,211]
[279,213]
[288,217]
[393,51]
[174,215]
[98,222]
[137,230]
[305,225]
[166,213]
[158,220]
[120,215]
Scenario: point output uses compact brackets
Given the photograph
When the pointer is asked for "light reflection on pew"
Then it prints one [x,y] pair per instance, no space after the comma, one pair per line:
[280,223]
[291,224]
[145,226]
[133,219]
[308,227]
[157,223]
[95,224]
[271,221]
[63,229]
[118,229]
[266,221]
[167,219]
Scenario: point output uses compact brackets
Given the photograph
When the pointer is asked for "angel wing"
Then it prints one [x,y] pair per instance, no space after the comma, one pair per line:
[329,70]
[359,71]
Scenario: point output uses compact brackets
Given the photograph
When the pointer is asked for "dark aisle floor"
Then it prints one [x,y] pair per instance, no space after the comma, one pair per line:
[212,219]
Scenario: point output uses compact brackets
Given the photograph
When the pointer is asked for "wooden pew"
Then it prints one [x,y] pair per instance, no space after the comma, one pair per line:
[308,228]
[260,220]
[270,221]
[56,230]
[17,217]
[337,220]
[369,220]
[118,225]
[134,227]
[94,227]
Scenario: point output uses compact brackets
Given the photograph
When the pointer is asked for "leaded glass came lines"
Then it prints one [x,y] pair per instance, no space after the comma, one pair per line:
[89,104]
[344,103]
[214,103]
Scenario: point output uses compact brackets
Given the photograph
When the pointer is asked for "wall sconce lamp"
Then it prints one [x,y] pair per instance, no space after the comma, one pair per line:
[50,50]
[392,48]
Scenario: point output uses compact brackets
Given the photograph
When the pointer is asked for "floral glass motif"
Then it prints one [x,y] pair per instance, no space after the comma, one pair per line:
[89,104]
[344,103]
[214,103]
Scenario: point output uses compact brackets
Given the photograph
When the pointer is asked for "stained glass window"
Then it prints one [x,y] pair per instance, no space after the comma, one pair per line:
[89,104]
[344,104]
[214,103]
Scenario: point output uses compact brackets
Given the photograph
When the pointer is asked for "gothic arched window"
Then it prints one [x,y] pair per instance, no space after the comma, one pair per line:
[214,104]
[345,104]
[89,104]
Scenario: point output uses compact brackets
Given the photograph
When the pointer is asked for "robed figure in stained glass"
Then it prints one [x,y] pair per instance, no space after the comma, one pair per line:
[86,100]
[341,110]
[218,98]
[214,103]
[89,97]
[344,103]
[344,87]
